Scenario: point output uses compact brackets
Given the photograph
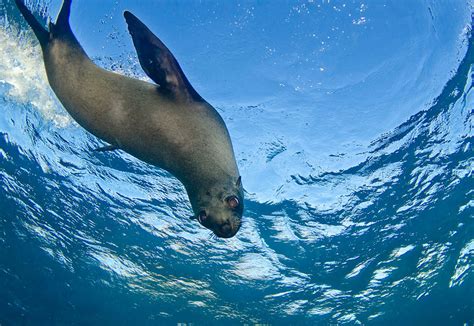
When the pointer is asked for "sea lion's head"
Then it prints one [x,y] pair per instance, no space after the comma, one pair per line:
[220,209]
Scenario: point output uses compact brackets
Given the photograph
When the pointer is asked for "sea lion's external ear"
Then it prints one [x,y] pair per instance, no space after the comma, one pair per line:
[158,62]
[239,181]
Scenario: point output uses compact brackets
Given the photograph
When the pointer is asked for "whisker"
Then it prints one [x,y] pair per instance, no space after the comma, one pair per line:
[213,236]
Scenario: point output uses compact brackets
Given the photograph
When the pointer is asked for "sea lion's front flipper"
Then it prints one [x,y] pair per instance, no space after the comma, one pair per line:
[158,62]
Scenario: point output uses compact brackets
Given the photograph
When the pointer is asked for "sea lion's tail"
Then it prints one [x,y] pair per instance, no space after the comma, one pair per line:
[60,27]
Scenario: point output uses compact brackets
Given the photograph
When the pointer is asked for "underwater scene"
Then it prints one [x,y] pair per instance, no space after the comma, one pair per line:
[352,127]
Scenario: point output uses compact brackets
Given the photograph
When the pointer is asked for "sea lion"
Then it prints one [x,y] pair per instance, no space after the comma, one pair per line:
[167,124]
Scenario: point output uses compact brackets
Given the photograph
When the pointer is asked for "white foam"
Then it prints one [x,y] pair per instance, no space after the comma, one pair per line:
[21,67]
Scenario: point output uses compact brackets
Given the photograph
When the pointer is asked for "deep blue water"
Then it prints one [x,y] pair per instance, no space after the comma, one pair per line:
[352,123]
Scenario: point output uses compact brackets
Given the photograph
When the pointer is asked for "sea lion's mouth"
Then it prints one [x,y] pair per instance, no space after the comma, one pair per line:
[226,230]
[225,236]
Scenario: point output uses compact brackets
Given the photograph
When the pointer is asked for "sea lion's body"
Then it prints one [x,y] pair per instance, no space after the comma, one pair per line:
[129,113]
[167,125]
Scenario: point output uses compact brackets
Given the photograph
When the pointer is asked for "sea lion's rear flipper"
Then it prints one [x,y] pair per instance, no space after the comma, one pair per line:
[41,33]
[158,62]
[60,28]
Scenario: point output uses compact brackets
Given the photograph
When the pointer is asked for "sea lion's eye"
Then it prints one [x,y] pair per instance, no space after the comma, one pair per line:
[202,216]
[233,201]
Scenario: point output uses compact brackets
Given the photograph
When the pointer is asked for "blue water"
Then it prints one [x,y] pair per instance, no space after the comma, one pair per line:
[352,123]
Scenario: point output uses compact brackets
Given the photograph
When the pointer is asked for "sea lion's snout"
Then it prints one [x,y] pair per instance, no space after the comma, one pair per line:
[223,229]
[227,229]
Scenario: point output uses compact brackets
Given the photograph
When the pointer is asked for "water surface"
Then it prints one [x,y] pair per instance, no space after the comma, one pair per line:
[352,124]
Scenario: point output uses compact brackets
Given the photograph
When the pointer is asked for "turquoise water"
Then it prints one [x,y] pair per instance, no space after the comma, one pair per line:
[353,129]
